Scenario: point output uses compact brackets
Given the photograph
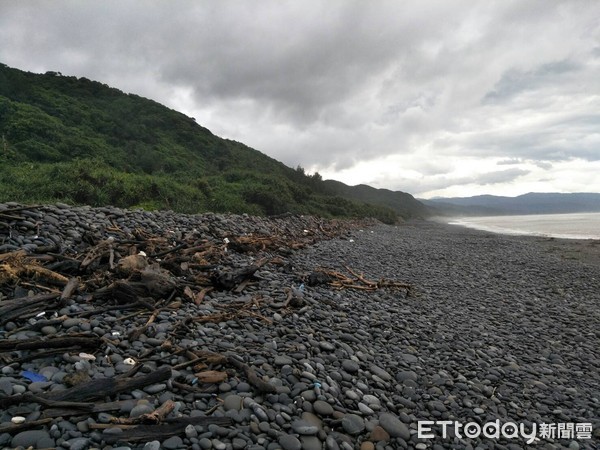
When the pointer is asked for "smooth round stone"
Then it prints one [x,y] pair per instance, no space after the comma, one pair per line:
[79,443]
[225,387]
[371,400]
[311,443]
[155,389]
[239,444]
[48,330]
[323,408]
[140,409]
[243,387]
[233,402]
[327,346]
[71,322]
[406,375]
[152,445]
[282,360]
[218,445]
[32,438]
[309,395]
[353,424]
[352,395]
[394,426]
[350,366]
[205,443]
[289,442]
[379,434]
[304,427]
[366,445]
[172,443]
[190,431]
[6,386]
[381,373]
[478,411]
[38,386]
[312,419]
[365,409]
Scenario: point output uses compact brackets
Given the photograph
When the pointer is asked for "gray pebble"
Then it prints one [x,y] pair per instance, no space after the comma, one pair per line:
[394,426]
[173,443]
[289,442]
[353,424]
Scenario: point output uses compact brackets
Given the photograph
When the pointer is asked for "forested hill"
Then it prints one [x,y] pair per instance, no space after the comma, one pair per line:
[79,141]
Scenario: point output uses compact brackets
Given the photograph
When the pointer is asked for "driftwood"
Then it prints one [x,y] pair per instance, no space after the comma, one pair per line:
[71,286]
[219,359]
[22,306]
[17,265]
[104,387]
[355,281]
[15,428]
[78,396]
[154,417]
[253,379]
[28,397]
[70,340]
[229,280]
[160,432]
[96,408]
[146,275]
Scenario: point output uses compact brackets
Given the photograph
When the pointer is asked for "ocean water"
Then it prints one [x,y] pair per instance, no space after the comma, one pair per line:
[566,226]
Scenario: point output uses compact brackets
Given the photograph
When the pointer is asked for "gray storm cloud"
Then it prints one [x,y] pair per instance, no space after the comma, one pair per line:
[329,84]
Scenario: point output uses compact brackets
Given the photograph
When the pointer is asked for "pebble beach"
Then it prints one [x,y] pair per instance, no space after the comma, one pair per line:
[494,328]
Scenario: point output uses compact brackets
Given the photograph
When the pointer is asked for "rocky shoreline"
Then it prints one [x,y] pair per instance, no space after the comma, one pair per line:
[494,327]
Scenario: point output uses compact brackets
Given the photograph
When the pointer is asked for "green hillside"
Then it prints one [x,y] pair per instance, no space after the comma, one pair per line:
[80,141]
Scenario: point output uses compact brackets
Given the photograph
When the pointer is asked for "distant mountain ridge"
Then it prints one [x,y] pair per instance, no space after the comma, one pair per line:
[79,141]
[401,202]
[531,203]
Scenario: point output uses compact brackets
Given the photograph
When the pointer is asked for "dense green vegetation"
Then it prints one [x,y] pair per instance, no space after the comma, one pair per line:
[79,141]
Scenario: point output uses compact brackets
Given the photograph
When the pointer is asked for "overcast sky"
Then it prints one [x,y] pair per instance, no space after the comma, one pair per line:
[435,98]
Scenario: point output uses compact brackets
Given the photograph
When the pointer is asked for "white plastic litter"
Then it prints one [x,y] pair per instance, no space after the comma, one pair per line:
[17,420]
[129,361]
[87,357]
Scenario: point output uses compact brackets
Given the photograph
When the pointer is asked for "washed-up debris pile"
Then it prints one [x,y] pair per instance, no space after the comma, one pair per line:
[104,317]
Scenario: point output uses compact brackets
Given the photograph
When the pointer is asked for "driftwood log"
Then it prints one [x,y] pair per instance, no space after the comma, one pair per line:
[106,387]
[163,431]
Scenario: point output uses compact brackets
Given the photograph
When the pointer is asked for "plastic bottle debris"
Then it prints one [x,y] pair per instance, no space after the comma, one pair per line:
[129,361]
[33,377]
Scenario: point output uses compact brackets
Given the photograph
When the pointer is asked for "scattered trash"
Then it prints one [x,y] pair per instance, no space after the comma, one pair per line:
[33,377]
[87,357]
[129,361]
